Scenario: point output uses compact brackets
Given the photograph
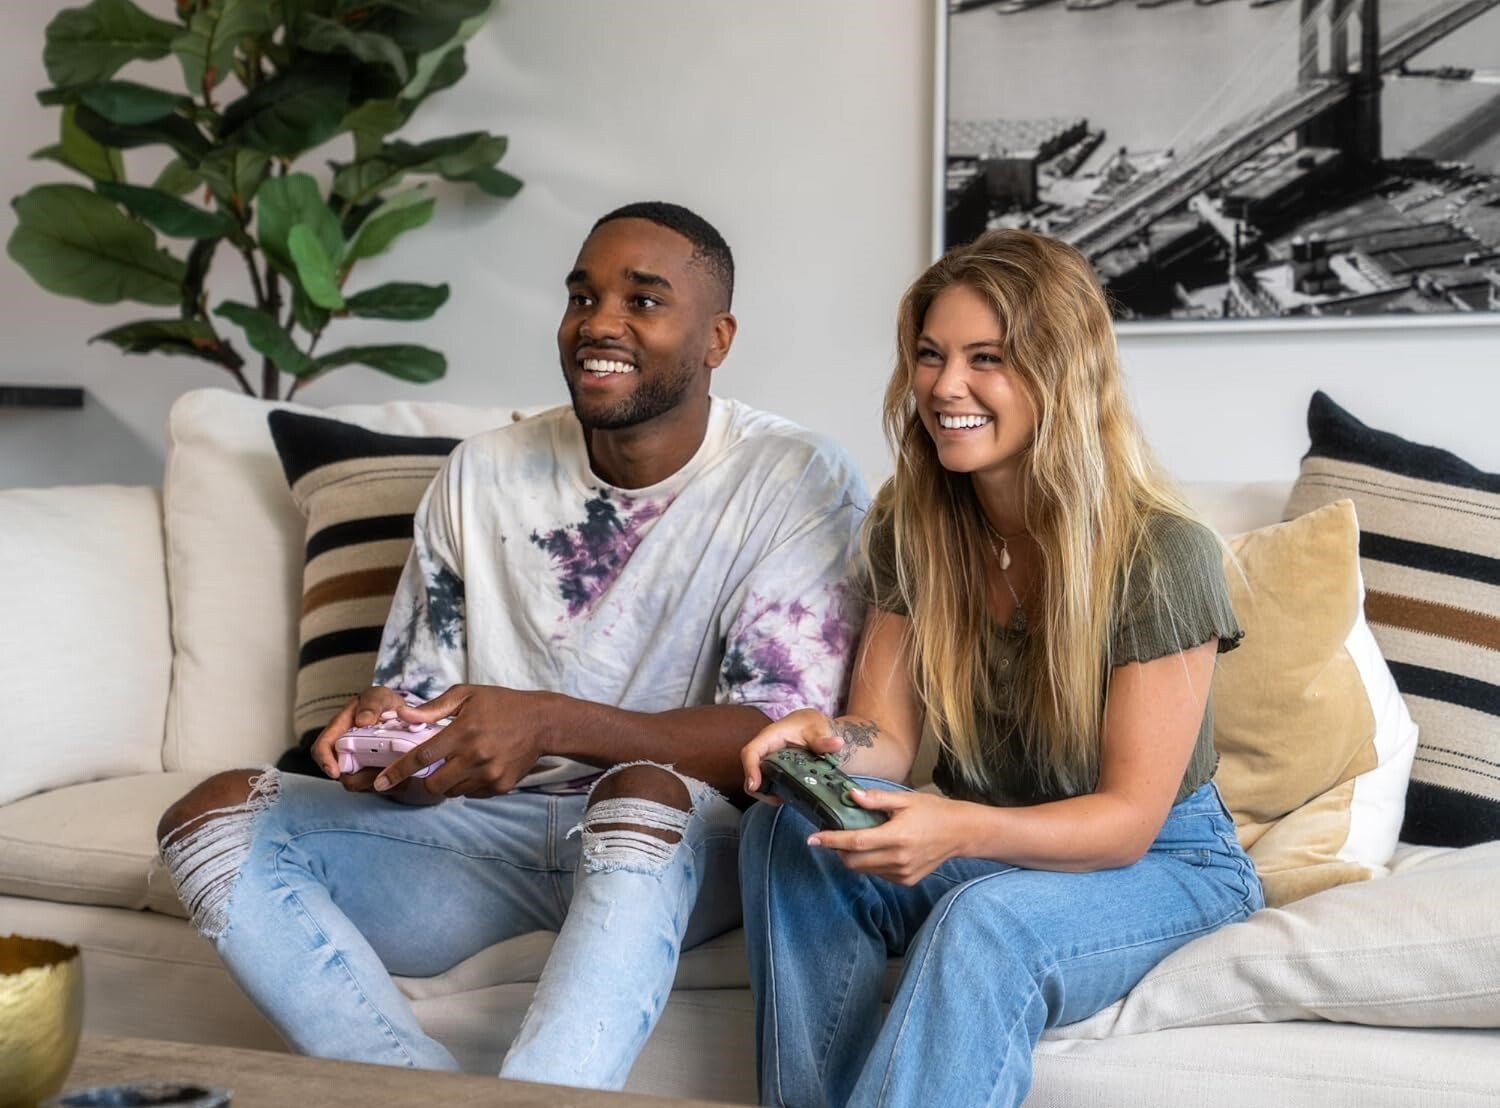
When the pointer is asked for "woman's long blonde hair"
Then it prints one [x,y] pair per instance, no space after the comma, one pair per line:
[1089,484]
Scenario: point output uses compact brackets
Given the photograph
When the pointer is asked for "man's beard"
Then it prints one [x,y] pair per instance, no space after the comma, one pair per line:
[652,397]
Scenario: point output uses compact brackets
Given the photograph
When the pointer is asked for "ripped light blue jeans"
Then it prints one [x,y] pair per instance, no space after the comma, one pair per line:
[993,955]
[319,895]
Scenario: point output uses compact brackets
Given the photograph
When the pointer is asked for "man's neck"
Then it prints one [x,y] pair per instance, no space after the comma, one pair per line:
[641,456]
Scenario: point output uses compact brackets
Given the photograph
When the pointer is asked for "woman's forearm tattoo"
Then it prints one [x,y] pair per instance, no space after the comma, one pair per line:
[856,733]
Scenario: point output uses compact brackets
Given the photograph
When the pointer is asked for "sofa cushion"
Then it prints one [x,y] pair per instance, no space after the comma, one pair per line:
[92,843]
[234,569]
[358,490]
[1314,740]
[84,598]
[1430,544]
[1420,948]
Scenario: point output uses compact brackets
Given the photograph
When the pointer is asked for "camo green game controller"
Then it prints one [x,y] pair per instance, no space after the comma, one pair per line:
[813,785]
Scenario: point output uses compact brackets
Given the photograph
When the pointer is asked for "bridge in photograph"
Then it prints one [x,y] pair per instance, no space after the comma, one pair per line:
[1316,96]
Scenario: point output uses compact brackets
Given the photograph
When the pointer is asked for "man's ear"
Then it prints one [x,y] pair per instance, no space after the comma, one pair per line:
[720,339]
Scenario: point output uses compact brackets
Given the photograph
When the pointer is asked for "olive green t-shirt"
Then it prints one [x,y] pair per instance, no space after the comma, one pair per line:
[1172,602]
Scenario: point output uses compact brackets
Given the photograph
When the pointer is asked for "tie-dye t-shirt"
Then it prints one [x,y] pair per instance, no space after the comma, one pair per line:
[728,582]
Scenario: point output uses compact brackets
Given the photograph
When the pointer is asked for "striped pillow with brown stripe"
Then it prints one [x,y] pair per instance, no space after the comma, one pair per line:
[1430,552]
[359,490]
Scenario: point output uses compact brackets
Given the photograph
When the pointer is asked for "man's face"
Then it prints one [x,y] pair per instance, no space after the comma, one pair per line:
[639,327]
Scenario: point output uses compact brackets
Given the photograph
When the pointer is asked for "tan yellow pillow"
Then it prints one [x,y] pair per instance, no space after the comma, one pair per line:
[1315,743]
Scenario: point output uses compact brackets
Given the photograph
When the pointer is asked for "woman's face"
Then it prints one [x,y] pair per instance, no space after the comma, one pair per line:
[970,401]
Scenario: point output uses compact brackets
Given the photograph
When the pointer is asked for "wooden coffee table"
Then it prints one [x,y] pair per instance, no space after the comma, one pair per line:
[261,1079]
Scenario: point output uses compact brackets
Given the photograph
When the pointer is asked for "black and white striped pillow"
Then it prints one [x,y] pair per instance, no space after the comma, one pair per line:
[1430,553]
[358,490]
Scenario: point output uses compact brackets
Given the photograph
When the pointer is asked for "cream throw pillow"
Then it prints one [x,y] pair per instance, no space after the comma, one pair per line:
[234,541]
[1315,742]
[1418,949]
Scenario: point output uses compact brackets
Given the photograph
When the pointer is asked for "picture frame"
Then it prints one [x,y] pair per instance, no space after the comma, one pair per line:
[1284,189]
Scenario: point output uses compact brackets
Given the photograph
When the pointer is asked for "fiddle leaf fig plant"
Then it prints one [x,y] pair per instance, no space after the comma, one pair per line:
[263,84]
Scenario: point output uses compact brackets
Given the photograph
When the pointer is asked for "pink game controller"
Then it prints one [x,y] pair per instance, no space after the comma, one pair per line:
[386,740]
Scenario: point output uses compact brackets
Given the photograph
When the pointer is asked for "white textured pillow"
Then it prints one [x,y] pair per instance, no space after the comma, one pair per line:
[84,603]
[1420,948]
[234,568]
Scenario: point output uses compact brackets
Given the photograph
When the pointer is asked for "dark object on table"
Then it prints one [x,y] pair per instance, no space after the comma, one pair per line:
[145,1094]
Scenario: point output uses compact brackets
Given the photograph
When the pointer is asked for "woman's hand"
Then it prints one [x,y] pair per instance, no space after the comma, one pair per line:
[924,830]
[806,727]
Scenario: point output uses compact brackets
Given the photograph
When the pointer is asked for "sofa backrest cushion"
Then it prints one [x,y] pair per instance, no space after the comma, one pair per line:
[1430,547]
[85,651]
[234,568]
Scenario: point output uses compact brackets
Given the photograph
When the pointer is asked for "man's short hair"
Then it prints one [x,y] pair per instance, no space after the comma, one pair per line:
[709,248]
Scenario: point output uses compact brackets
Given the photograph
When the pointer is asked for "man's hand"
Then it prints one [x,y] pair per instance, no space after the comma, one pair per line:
[806,727]
[363,711]
[922,833]
[494,740]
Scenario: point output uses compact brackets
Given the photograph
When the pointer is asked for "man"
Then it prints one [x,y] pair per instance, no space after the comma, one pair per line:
[609,601]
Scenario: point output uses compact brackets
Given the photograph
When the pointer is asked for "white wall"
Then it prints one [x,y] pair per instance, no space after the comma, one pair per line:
[802,128]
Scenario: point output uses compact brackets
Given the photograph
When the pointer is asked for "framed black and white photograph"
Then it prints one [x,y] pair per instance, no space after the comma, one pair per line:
[1221,161]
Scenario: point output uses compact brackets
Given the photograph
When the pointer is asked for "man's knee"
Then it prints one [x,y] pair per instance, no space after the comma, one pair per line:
[205,841]
[636,816]
[229,789]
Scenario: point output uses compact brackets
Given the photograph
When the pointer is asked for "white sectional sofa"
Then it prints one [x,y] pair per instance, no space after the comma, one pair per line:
[148,638]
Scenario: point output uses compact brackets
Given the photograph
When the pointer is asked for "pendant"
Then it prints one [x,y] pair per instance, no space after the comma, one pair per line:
[1004,556]
[1018,619]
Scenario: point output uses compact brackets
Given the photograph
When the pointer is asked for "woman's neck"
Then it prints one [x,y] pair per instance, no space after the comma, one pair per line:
[1002,500]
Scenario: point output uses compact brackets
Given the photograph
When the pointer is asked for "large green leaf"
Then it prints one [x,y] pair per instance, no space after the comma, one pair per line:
[414,34]
[495,182]
[327,36]
[294,111]
[371,122]
[438,11]
[316,270]
[206,49]
[76,243]
[453,156]
[436,71]
[77,150]
[402,212]
[409,363]
[308,315]
[234,174]
[167,213]
[284,203]
[188,337]
[177,178]
[398,300]
[119,101]
[186,140]
[91,43]
[267,337]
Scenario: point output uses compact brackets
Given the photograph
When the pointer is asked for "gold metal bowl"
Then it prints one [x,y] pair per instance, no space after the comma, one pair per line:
[41,1014]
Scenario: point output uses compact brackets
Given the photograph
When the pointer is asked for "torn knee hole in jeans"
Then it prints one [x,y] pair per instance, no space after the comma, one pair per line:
[617,834]
[204,861]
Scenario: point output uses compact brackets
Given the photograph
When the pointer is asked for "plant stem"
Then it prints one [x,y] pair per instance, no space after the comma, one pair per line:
[255,282]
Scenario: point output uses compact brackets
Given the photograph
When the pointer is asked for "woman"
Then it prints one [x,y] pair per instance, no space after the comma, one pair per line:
[1047,606]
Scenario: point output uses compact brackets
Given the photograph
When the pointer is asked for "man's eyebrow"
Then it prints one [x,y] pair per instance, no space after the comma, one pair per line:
[576,276]
[641,277]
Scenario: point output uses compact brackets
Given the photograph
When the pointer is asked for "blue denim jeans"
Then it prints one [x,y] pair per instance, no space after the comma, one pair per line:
[337,891]
[993,953]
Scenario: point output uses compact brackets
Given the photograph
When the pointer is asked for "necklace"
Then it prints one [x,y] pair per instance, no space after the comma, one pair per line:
[1002,558]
